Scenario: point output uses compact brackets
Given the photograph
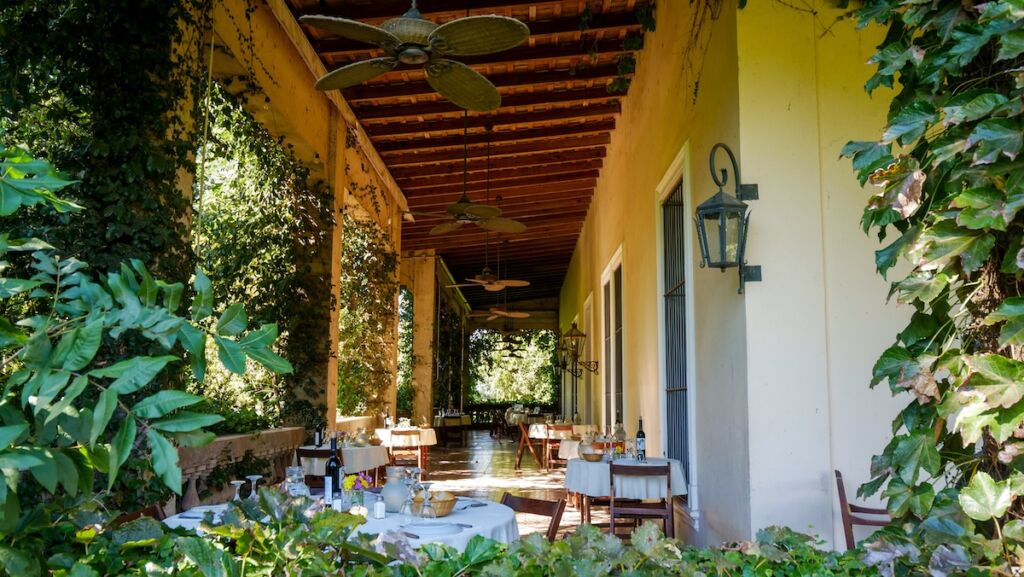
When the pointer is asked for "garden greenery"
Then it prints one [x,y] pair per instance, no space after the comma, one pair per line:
[952,187]
[518,367]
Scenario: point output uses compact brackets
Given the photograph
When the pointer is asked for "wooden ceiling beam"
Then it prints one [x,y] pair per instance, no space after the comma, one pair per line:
[368,111]
[426,195]
[483,138]
[548,234]
[567,198]
[455,167]
[497,185]
[481,176]
[491,119]
[402,89]
[396,159]
[381,10]
[599,22]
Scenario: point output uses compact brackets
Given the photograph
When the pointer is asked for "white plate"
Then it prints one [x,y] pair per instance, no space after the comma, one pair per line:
[431,528]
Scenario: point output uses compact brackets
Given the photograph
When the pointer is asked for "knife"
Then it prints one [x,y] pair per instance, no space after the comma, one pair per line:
[410,535]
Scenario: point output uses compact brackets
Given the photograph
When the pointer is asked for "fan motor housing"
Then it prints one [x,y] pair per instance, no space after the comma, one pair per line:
[414,31]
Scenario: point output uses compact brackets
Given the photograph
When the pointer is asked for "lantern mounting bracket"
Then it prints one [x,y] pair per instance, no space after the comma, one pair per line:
[743,191]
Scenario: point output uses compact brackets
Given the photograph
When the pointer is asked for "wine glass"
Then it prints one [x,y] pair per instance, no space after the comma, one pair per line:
[254,479]
[410,483]
[237,484]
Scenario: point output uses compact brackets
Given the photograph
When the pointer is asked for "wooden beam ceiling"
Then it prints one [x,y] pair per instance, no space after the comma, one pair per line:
[541,152]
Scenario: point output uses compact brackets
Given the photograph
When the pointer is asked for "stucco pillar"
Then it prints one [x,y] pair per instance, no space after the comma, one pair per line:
[420,276]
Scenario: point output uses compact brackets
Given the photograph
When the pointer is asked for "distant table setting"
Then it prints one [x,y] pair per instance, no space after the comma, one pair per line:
[403,437]
[353,459]
[593,479]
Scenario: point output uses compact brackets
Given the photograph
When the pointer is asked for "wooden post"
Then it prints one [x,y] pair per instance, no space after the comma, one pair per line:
[420,276]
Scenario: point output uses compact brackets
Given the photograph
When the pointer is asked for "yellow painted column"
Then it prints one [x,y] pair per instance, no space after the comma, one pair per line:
[419,274]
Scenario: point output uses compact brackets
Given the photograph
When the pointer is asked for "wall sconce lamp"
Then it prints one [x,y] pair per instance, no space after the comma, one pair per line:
[571,348]
[722,223]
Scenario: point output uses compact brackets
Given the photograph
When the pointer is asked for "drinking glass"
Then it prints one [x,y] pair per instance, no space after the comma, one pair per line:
[237,484]
[254,479]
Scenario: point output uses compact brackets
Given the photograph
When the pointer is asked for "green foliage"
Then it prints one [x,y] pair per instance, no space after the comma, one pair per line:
[253,202]
[952,187]
[406,360]
[72,419]
[369,285]
[497,376]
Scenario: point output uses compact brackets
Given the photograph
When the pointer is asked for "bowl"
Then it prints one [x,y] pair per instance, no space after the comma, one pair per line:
[443,504]
[592,457]
[375,441]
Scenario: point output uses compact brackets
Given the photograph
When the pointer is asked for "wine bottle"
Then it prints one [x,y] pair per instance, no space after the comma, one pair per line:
[641,442]
[387,419]
[332,475]
[318,436]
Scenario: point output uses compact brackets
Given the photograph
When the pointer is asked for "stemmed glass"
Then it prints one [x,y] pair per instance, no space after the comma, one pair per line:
[237,484]
[410,484]
[254,479]
[427,510]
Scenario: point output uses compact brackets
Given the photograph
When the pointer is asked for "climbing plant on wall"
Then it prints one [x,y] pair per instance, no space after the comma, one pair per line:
[951,188]
[369,290]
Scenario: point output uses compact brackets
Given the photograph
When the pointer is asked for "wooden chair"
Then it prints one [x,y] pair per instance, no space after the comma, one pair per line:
[553,441]
[526,443]
[850,519]
[452,431]
[153,511]
[316,481]
[635,511]
[406,443]
[553,509]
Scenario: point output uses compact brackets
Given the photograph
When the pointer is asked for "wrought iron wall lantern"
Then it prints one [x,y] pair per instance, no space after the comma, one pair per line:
[722,222]
[571,348]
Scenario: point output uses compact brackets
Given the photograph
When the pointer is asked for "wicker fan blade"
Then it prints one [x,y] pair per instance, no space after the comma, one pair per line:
[515,283]
[502,225]
[476,281]
[459,285]
[483,210]
[356,73]
[476,35]
[517,315]
[492,317]
[499,312]
[462,85]
[445,228]
[354,30]
[493,287]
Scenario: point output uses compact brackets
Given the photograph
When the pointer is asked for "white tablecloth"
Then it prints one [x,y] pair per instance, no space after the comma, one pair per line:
[540,431]
[514,418]
[427,438]
[462,421]
[493,520]
[594,479]
[354,460]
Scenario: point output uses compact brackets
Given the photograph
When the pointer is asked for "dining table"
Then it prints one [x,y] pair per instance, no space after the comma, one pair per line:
[593,479]
[353,460]
[469,518]
[544,433]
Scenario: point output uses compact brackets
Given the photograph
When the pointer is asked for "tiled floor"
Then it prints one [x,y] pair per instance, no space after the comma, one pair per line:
[485,468]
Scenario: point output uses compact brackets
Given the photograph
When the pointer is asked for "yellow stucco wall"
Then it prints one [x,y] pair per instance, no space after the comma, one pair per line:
[779,375]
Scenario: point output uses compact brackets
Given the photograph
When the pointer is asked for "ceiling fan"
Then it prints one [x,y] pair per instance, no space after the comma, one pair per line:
[414,40]
[464,211]
[490,282]
[495,313]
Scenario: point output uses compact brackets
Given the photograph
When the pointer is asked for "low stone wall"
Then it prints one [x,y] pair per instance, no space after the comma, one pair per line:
[275,445]
[351,424]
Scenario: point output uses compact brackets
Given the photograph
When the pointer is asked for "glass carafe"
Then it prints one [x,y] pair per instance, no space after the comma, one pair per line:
[295,482]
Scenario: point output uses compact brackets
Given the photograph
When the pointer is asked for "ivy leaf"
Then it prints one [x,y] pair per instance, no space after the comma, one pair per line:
[903,184]
[1010,311]
[867,157]
[914,453]
[165,460]
[910,122]
[1011,45]
[999,379]
[945,241]
[971,106]
[995,137]
[233,321]
[887,257]
[163,402]
[984,498]
[985,208]
[922,287]
[895,364]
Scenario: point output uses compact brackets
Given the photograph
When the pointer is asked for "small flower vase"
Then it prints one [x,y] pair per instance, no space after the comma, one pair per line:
[346,500]
[357,498]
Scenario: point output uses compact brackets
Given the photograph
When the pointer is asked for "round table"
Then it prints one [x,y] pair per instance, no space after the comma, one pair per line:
[354,459]
[426,438]
[470,517]
[594,479]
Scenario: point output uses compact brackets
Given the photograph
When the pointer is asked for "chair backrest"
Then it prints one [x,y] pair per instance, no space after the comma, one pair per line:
[553,509]
[661,510]
[152,511]
[315,453]
[848,511]
[619,470]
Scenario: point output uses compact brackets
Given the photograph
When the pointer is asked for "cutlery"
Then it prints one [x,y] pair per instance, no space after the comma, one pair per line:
[465,525]
[410,535]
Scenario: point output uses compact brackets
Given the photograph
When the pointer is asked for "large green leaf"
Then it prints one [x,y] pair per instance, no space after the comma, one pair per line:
[910,122]
[133,374]
[945,241]
[914,453]
[85,346]
[121,449]
[261,337]
[10,433]
[984,498]
[923,287]
[971,106]
[101,416]
[995,138]
[895,364]
[202,553]
[18,562]
[272,361]
[233,321]
[202,304]
[185,421]
[165,460]
[999,379]
[1010,311]
[163,402]
[231,355]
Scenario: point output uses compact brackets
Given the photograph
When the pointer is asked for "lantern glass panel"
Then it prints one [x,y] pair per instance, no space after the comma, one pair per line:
[723,237]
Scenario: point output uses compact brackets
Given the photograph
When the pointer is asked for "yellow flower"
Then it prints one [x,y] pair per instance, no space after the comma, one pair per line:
[349,482]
